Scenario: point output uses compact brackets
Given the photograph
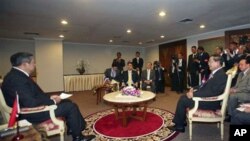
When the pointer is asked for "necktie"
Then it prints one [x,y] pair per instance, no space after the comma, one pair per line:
[130,78]
[148,74]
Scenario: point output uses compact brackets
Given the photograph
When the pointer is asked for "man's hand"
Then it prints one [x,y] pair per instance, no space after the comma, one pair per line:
[247,110]
[56,98]
[232,90]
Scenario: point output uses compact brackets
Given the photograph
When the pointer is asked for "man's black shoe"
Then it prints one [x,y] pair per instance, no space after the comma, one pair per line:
[177,128]
[84,138]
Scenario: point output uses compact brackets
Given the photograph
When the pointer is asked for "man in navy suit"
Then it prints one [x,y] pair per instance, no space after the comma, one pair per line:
[119,62]
[113,73]
[203,63]
[137,62]
[130,77]
[214,86]
[30,95]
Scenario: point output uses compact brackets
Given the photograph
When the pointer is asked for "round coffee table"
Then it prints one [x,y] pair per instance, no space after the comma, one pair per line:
[125,104]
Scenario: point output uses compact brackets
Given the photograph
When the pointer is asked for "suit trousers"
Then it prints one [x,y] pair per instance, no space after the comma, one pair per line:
[66,109]
[235,99]
[194,79]
[180,114]
[240,118]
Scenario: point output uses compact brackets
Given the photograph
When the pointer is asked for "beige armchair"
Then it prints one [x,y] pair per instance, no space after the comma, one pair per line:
[218,116]
[50,127]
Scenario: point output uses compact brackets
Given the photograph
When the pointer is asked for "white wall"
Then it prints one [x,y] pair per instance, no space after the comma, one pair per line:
[98,57]
[152,54]
[49,64]
[10,46]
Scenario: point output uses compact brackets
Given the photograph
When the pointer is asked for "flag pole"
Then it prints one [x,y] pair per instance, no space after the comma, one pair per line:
[18,136]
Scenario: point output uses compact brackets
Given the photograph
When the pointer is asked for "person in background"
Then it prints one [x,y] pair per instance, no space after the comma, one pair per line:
[203,58]
[193,68]
[173,73]
[30,95]
[159,78]
[130,76]
[240,93]
[220,51]
[119,62]
[241,117]
[214,86]
[112,74]
[231,53]
[137,62]
[148,78]
[180,73]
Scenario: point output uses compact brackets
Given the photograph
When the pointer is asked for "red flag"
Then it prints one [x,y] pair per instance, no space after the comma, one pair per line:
[14,112]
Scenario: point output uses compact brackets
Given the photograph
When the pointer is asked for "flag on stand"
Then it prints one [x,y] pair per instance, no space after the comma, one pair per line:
[14,113]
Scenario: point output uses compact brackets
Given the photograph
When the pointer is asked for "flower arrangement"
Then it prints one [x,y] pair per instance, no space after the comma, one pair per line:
[80,66]
[129,90]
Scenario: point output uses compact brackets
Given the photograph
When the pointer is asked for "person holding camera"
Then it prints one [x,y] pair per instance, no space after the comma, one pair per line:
[159,78]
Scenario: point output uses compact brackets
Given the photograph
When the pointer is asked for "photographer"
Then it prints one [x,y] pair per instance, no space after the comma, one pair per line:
[159,78]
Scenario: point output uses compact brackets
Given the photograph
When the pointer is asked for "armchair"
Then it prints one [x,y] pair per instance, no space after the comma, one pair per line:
[51,127]
[218,116]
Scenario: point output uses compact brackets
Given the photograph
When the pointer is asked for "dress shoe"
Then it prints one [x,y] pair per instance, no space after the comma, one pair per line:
[177,128]
[84,138]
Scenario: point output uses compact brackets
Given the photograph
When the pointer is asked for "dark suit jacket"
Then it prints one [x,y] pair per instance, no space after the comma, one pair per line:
[107,74]
[120,64]
[193,66]
[182,67]
[136,64]
[30,94]
[213,87]
[203,58]
[135,77]
[144,75]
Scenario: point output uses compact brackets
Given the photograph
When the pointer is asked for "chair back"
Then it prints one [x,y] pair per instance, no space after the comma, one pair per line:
[4,108]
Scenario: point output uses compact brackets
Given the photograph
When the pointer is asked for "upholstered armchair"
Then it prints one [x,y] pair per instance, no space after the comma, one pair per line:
[218,116]
[51,127]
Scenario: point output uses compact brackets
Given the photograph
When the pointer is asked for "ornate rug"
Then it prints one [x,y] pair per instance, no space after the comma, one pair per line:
[106,128]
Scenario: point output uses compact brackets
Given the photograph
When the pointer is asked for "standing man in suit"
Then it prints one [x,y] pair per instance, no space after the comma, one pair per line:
[119,62]
[219,51]
[112,73]
[214,86]
[193,68]
[130,76]
[137,62]
[159,78]
[30,95]
[180,73]
[148,78]
[203,58]
[240,93]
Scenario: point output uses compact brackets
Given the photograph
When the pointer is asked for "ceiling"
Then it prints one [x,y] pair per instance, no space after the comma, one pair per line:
[98,21]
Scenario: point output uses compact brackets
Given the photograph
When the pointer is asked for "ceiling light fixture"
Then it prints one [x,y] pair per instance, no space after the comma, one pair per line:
[129,31]
[202,26]
[61,36]
[162,14]
[162,36]
[140,43]
[64,22]
[110,41]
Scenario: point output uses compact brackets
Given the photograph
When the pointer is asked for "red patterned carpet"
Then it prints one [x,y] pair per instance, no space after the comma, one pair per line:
[104,125]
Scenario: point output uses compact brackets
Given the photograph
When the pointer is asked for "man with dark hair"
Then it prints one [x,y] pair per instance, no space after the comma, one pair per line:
[203,58]
[240,93]
[119,62]
[112,73]
[148,78]
[193,68]
[137,62]
[159,77]
[30,95]
[214,86]
[130,77]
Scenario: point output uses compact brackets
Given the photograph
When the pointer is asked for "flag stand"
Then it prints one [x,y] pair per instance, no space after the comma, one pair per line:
[18,136]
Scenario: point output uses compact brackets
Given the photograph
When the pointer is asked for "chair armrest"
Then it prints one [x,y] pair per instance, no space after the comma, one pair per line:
[37,109]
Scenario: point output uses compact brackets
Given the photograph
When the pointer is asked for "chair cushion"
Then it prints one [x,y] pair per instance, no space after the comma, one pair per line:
[48,125]
[207,113]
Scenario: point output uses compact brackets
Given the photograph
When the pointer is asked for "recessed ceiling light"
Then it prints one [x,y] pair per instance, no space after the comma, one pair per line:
[140,43]
[129,31]
[162,36]
[61,36]
[64,22]
[162,14]
[202,26]
[110,41]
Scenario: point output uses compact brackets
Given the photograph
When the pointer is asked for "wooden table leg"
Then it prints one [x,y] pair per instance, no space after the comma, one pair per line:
[124,118]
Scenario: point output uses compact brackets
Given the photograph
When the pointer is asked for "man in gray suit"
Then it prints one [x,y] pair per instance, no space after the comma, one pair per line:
[148,78]
[240,93]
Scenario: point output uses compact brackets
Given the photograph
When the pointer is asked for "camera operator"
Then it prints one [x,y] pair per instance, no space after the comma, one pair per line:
[159,78]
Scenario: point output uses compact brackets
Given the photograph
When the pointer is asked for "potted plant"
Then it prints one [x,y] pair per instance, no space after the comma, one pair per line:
[80,67]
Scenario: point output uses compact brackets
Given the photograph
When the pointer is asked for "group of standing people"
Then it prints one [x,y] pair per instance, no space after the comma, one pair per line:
[152,78]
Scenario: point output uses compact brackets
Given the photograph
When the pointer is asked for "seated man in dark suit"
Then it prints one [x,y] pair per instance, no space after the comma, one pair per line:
[241,117]
[130,77]
[214,86]
[148,78]
[112,73]
[30,95]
